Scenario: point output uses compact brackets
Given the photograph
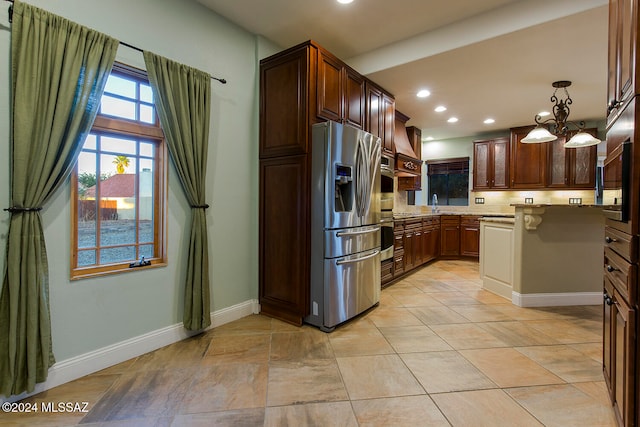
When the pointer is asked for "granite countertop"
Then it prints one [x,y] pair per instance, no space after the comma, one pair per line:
[409,215]
[546,205]
[501,220]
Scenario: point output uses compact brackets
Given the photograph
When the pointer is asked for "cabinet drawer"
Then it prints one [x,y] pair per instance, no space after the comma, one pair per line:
[621,273]
[398,241]
[623,244]
[413,224]
[450,219]
[470,220]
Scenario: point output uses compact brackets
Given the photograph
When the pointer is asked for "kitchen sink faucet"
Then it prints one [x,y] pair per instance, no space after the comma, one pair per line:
[434,203]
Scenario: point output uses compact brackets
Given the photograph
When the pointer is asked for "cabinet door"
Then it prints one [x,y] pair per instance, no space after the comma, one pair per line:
[607,336]
[450,236]
[354,99]
[528,163]
[388,123]
[284,238]
[623,358]
[583,167]
[409,251]
[373,109]
[283,105]
[623,42]
[491,164]
[500,163]
[330,87]
[481,165]
[558,173]
[470,236]
[417,248]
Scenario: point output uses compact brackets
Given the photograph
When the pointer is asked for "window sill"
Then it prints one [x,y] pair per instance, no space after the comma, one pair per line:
[92,272]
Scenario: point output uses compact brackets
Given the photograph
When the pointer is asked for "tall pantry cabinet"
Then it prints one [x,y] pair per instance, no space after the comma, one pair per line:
[621,346]
[299,87]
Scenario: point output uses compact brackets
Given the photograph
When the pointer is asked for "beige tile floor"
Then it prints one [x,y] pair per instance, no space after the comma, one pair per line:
[437,351]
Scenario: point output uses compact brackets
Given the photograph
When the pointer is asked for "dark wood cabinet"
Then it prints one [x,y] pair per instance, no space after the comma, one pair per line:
[398,248]
[623,45]
[528,162]
[284,99]
[430,239]
[284,237]
[491,164]
[621,345]
[572,167]
[341,91]
[470,236]
[450,236]
[380,115]
[299,87]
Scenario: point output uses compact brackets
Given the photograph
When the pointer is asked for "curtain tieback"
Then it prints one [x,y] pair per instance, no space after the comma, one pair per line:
[205,206]
[17,209]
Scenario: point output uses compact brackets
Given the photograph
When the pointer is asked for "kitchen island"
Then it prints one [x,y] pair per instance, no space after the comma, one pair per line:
[556,257]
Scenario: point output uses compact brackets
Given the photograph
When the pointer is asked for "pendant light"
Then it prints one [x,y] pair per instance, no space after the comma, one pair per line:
[548,130]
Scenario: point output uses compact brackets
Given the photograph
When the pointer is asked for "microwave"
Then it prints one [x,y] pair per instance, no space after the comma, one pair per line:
[617,183]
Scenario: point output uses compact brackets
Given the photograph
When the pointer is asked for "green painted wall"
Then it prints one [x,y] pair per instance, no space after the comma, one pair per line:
[92,313]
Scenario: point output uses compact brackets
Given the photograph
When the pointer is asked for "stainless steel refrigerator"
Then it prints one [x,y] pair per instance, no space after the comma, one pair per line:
[345,224]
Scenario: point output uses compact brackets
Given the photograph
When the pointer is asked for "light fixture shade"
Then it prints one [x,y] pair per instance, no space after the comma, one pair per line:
[581,139]
[537,135]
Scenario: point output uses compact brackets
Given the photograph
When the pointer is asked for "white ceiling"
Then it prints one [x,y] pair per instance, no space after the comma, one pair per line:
[479,58]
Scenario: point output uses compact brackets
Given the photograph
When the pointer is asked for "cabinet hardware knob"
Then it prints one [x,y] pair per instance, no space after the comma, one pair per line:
[611,268]
[610,239]
[613,105]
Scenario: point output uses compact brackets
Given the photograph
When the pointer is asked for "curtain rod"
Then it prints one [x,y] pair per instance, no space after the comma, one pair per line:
[221,80]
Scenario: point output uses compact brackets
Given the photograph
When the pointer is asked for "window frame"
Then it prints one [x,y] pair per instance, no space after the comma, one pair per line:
[109,125]
[447,163]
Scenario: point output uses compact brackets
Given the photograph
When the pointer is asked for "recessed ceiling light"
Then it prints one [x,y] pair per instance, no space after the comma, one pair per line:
[452,119]
[423,93]
[543,113]
[489,121]
[345,1]
[440,109]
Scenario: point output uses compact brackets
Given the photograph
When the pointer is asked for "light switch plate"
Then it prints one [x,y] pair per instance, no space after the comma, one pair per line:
[528,200]
[479,200]
[575,200]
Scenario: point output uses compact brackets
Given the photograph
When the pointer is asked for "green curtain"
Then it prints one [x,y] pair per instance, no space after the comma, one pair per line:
[183,98]
[58,71]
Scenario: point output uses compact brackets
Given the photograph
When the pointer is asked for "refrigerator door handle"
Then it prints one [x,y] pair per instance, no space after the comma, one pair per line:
[356,233]
[351,261]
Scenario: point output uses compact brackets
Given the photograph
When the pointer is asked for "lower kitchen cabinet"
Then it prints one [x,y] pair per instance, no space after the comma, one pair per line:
[450,236]
[619,353]
[430,239]
[470,236]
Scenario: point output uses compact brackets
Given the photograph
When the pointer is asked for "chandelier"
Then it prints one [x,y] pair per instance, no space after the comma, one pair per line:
[559,123]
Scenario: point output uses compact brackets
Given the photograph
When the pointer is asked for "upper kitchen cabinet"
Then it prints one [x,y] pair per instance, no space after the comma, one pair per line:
[528,164]
[623,41]
[380,110]
[491,164]
[572,167]
[285,93]
[340,95]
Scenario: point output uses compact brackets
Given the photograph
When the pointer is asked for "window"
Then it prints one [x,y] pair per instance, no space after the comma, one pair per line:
[118,185]
[449,180]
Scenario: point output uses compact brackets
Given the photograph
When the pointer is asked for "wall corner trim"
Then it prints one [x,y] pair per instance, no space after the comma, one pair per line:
[79,366]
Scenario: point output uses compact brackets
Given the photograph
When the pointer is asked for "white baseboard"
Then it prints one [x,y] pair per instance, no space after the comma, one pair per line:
[556,299]
[94,361]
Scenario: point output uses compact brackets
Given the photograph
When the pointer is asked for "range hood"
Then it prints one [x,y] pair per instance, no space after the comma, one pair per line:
[408,164]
